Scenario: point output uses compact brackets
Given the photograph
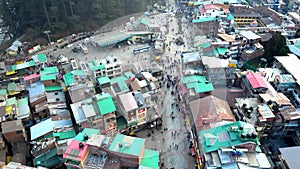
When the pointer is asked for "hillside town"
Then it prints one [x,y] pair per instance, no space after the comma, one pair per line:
[185,85]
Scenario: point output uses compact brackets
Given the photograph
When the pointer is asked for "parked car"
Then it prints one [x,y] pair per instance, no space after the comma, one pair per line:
[76,49]
[69,45]
[62,59]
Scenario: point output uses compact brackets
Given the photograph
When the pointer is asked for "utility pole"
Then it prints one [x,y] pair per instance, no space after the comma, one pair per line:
[47,32]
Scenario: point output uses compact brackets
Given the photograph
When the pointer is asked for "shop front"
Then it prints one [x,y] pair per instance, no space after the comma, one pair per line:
[141,116]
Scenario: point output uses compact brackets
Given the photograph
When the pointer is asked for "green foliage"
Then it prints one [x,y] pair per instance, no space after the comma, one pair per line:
[65,15]
[276,46]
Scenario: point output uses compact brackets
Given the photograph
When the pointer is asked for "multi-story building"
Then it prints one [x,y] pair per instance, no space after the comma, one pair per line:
[129,108]
[113,67]
[50,78]
[76,154]
[90,149]
[244,15]
[37,95]
[13,131]
[232,145]
[107,111]
[284,83]
[49,139]
[197,86]
[254,84]
[229,46]
[191,62]
[250,47]
[218,71]
[209,112]
[207,25]
[85,112]
[142,108]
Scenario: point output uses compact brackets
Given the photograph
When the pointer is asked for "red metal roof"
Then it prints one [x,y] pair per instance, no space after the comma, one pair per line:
[74,152]
[217,7]
[256,80]
[26,78]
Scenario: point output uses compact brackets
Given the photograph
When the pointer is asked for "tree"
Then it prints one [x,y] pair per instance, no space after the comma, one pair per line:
[65,16]
[276,46]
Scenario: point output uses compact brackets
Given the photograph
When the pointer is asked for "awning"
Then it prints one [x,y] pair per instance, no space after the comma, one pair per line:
[11,72]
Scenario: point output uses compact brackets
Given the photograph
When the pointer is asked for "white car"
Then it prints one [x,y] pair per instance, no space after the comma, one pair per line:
[62,59]
[69,45]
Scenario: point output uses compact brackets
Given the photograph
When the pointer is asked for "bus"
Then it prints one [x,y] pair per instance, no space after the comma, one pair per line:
[140,50]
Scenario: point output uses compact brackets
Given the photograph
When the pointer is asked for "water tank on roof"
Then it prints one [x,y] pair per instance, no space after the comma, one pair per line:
[85,137]
[254,135]
[233,153]
[81,145]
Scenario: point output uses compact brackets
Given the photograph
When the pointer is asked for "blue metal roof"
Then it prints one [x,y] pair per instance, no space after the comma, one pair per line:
[41,129]
[36,89]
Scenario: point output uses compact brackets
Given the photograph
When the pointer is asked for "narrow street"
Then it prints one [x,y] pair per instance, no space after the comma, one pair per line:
[171,140]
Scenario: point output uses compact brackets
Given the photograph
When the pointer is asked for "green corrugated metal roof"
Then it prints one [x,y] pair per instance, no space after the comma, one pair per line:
[230,17]
[88,131]
[48,77]
[103,80]
[64,135]
[96,65]
[49,71]
[121,80]
[244,1]
[222,51]
[11,87]
[22,102]
[198,83]
[3,92]
[105,103]
[52,88]
[194,78]
[297,46]
[69,77]
[31,63]
[141,21]
[223,137]
[41,57]
[131,145]
[198,3]
[205,45]
[150,159]
[207,19]
[11,101]
[23,65]
[129,75]
[14,67]
[200,87]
